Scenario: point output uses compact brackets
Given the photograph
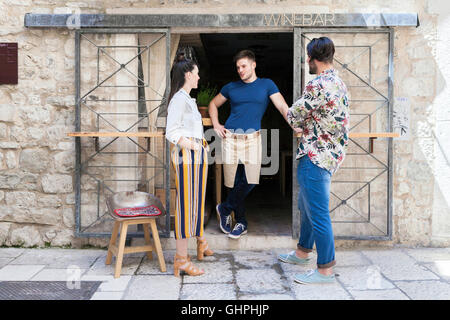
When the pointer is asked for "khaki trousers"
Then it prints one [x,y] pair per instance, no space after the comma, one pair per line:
[244,148]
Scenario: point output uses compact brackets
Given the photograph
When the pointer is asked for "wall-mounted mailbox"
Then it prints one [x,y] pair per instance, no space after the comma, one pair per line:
[8,63]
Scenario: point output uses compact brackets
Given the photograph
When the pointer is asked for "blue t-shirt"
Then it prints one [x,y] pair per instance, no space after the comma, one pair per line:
[248,103]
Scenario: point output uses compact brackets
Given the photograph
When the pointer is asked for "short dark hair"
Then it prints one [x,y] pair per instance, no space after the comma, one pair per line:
[321,49]
[244,54]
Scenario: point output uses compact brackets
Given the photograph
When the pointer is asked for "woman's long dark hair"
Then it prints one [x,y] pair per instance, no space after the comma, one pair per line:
[180,68]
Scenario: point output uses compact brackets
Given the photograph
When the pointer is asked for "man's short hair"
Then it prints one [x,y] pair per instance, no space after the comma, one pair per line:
[244,54]
[321,49]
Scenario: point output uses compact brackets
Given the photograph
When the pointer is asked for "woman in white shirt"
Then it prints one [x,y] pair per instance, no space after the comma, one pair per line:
[189,157]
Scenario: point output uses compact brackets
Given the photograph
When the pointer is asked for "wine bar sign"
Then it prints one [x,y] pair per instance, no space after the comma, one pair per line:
[8,63]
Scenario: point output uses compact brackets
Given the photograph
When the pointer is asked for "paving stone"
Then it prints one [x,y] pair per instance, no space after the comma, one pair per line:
[393,294]
[429,254]
[5,261]
[115,284]
[215,272]
[363,278]
[255,260]
[107,296]
[266,297]
[326,291]
[129,266]
[60,258]
[350,258]
[19,272]
[397,265]
[219,291]
[219,255]
[259,281]
[152,266]
[96,277]
[11,252]
[58,274]
[153,288]
[441,268]
[109,283]
[425,290]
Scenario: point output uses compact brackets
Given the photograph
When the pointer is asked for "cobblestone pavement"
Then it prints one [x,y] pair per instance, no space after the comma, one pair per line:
[381,274]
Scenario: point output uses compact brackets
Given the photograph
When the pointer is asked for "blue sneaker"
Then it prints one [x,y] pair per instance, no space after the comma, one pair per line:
[292,258]
[238,230]
[225,221]
[313,277]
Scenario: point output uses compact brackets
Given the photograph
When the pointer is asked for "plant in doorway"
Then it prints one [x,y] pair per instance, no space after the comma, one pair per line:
[204,96]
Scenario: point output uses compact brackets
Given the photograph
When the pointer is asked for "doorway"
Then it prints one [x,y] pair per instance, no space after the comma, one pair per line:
[269,205]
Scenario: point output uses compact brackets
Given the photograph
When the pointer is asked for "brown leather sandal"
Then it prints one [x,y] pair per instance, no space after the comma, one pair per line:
[203,249]
[184,264]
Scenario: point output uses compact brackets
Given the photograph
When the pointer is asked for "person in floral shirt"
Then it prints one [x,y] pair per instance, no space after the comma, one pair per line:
[323,114]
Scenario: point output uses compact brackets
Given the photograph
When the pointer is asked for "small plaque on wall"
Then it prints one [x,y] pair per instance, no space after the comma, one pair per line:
[8,63]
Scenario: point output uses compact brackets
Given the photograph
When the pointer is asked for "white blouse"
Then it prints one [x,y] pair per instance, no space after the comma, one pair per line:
[183,118]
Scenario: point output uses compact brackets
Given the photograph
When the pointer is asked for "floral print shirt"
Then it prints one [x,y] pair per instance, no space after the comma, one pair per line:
[323,114]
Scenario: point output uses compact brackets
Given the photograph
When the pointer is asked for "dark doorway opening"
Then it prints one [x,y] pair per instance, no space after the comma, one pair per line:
[269,205]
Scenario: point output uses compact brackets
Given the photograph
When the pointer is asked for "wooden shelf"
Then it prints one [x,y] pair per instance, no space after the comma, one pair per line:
[117,134]
[207,121]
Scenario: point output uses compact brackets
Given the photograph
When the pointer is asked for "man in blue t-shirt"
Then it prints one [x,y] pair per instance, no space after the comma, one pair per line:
[248,98]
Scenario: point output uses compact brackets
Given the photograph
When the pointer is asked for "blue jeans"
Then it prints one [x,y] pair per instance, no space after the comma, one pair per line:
[236,197]
[313,201]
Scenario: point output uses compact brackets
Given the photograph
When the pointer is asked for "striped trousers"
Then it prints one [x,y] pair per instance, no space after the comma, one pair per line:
[191,170]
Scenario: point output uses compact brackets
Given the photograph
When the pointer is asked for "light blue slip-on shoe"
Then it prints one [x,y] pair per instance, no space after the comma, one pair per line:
[313,277]
[292,258]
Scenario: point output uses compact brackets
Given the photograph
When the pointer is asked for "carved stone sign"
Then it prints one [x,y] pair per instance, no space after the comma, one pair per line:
[294,20]
[221,20]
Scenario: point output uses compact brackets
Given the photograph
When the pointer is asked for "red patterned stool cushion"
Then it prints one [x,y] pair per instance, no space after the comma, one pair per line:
[150,211]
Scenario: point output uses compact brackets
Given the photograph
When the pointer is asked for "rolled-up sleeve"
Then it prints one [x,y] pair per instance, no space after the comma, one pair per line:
[174,124]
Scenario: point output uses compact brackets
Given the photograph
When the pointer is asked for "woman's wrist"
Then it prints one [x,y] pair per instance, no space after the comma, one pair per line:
[196,146]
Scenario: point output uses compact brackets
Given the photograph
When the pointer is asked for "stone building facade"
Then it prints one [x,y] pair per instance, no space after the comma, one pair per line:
[37,157]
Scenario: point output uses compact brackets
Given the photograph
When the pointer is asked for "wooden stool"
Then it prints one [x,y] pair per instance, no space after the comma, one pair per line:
[121,249]
[133,199]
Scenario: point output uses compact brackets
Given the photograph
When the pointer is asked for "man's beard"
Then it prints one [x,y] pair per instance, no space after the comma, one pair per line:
[312,67]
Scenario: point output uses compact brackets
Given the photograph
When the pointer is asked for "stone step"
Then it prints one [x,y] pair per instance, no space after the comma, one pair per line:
[220,241]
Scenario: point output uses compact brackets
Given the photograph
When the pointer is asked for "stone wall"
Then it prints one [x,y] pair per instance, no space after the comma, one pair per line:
[37,158]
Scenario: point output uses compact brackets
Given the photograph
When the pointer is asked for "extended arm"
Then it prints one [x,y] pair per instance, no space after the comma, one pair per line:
[213,107]
[281,105]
